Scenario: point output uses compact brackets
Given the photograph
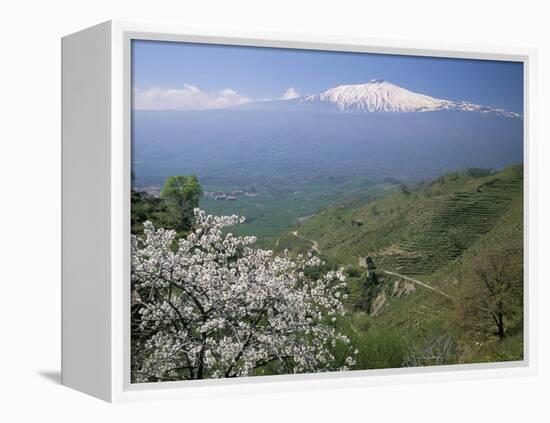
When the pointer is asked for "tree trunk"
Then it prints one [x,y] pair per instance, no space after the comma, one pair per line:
[500,324]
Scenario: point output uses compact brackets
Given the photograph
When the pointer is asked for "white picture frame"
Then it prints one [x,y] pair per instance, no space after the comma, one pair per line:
[96,230]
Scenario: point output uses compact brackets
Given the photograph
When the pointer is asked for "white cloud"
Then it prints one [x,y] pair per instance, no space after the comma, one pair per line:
[187,98]
[290,94]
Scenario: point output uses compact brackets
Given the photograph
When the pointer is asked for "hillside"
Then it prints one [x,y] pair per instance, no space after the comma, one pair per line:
[416,231]
[429,238]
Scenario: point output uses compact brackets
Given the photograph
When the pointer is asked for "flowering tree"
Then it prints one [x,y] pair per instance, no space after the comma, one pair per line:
[210,306]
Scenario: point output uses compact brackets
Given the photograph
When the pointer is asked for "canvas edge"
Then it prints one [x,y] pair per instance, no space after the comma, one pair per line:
[85,220]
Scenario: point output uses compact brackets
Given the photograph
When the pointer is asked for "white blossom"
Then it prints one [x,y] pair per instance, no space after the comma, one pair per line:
[210,306]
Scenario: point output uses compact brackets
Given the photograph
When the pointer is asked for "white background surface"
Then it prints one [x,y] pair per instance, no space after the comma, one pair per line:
[30,208]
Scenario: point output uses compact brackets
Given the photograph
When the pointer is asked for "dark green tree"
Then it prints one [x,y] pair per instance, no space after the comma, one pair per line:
[180,195]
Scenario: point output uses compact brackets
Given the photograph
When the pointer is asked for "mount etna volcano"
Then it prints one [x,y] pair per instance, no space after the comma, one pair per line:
[376,95]
[375,129]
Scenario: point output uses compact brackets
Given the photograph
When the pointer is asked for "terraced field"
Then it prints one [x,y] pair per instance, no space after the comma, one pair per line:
[418,231]
[443,227]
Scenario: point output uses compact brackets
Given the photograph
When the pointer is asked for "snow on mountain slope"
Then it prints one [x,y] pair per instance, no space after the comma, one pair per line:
[382,96]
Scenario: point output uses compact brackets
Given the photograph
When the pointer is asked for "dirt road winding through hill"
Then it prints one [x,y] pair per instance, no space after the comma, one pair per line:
[425,285]
[315,247]
[314,244]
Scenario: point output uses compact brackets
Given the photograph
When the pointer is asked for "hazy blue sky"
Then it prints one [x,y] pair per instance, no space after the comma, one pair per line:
[182,75]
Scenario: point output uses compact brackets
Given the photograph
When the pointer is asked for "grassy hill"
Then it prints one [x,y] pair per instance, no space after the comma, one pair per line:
[434,233]
[416,231]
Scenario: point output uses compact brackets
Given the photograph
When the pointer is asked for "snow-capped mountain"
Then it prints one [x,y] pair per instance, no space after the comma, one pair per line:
[378,95]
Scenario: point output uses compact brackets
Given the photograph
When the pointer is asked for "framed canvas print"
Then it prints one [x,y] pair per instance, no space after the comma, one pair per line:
[250,212]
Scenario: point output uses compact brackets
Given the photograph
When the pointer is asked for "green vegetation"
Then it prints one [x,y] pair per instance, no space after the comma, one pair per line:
[147,207]
[453,247]
[181,196]
[173,210]
[461,235]
[418,231]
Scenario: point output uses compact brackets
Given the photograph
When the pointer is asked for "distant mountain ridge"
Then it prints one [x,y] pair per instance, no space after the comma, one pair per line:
[375,129]
[377,95]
